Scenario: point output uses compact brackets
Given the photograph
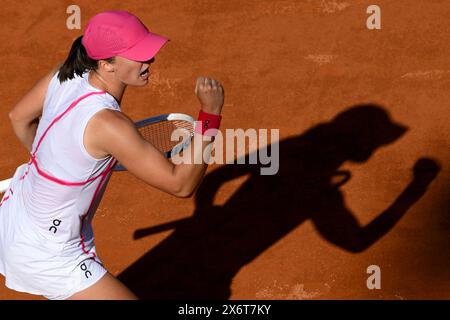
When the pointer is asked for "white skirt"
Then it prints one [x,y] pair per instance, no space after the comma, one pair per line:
[35,265]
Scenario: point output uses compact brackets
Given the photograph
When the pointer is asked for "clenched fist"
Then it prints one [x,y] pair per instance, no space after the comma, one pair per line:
[210,93]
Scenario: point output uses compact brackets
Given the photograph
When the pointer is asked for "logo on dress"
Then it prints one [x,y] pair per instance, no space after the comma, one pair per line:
[56,224]
[84,268]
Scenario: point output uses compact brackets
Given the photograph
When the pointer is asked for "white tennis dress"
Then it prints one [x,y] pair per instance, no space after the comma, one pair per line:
[46,239]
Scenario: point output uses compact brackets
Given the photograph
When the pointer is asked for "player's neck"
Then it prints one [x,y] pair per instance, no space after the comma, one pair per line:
[114,88]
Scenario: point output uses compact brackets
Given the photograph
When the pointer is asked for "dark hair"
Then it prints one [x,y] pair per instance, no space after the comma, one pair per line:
[78,62]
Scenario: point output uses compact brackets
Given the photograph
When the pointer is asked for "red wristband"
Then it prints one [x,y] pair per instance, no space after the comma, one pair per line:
[207,123]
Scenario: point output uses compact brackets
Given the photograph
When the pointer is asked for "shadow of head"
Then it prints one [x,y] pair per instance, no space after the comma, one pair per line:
[360,130]
[218,240]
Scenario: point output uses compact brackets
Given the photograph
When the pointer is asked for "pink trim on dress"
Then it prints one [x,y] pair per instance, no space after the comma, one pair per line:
[103,175]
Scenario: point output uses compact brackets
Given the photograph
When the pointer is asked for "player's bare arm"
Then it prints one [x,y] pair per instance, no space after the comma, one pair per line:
[111,132]
[25,114]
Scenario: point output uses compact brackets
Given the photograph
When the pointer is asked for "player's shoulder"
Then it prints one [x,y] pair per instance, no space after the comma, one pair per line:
[111,120]
[45,80]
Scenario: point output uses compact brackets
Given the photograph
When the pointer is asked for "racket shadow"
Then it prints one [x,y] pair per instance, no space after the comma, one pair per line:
[204,253]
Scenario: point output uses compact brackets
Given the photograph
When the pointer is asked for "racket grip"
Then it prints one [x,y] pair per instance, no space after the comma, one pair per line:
[4,185]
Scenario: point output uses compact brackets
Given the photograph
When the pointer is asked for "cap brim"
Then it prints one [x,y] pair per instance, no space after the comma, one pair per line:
[145,49]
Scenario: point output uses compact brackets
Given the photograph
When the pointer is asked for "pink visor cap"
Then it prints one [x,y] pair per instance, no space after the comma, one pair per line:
[120,33]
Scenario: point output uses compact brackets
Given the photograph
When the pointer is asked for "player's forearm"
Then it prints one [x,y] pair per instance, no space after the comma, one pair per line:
[190,172]
[25,131]
[193,168]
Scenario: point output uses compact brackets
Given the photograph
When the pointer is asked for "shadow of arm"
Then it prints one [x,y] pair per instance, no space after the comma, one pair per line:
[338,225]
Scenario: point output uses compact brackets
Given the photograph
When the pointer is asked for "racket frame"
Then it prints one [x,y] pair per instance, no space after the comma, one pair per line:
[170,117]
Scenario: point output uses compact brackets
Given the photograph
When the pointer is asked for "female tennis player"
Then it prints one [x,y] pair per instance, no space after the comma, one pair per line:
[71,123]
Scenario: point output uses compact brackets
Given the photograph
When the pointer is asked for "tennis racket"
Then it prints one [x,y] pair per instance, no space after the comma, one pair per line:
[4,185]
[158,131]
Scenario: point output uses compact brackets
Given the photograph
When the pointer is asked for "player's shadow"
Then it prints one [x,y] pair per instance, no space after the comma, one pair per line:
[200,258]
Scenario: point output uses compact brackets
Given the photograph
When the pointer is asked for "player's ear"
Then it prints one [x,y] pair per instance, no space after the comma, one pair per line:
[106,65]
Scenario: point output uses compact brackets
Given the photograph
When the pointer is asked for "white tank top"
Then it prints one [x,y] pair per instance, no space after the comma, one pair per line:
[63,184]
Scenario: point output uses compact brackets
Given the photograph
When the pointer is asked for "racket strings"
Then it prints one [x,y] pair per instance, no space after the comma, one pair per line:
[159,134]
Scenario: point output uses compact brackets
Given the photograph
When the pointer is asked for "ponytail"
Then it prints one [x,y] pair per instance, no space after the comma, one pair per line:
[77,62]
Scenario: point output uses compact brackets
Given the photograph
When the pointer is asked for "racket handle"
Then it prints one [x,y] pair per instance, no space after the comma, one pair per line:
[4,185]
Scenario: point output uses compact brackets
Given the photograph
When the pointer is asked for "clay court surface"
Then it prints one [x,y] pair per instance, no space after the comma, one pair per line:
[357,110]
